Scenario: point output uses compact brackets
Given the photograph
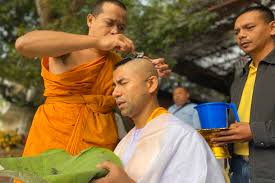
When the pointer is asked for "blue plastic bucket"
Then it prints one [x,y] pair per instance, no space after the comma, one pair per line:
[214,114]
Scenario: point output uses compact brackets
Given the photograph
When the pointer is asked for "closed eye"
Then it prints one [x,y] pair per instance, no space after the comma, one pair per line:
[109,23]
[121,28]
[123,82]
[250,27]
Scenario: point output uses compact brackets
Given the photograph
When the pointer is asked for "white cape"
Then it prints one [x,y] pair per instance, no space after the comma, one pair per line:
[170,151]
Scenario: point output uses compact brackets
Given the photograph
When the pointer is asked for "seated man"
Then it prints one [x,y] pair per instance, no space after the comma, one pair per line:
[160,148]
[183,108]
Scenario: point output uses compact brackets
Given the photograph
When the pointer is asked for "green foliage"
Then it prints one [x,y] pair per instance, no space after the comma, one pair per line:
[157,26]
[63,19]
[16,16]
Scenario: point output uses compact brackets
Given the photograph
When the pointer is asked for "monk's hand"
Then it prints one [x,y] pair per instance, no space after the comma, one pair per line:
[117,42]
[238,132]
[116,174]
[162,68]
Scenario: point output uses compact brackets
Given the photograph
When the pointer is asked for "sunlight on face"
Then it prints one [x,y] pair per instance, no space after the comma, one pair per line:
[112,20]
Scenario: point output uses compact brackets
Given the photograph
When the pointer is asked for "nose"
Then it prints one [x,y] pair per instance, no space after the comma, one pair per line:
[116,93]
[115,30]
[241,34]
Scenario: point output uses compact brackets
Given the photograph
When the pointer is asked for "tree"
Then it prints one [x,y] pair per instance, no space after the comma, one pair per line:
[17,17]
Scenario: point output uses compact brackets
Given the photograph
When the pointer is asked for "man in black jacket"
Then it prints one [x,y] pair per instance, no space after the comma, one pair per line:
[254,93]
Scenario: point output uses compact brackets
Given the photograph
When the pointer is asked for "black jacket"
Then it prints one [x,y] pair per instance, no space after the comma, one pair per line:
[262,118]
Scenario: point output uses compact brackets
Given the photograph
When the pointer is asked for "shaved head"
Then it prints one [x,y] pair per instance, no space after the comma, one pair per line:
[141,66]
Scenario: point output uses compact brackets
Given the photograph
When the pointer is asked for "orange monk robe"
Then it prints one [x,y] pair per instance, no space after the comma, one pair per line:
[77,112]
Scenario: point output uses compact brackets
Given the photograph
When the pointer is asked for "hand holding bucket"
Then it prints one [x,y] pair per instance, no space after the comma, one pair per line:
[213,118]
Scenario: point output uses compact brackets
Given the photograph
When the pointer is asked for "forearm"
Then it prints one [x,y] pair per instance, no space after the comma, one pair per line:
[263,133]
[52,44]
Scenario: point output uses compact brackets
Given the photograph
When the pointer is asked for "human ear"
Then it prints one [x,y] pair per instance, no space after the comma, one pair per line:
[90,19]
[272,28]
[188,95]
[153,84]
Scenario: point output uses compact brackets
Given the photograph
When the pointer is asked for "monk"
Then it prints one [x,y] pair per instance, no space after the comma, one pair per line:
[77,74]
[160,148]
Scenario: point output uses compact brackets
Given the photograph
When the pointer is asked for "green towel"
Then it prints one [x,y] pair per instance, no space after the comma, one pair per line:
[56,166]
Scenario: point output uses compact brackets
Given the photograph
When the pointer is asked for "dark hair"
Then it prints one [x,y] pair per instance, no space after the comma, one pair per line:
[128,58]
[265,11]
[97,7]
[183,87]
[122,62]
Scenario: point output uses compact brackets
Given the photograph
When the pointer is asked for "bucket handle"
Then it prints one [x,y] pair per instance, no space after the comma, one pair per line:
[235,112]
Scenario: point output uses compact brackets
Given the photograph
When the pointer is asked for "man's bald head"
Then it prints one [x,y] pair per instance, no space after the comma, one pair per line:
[141,66]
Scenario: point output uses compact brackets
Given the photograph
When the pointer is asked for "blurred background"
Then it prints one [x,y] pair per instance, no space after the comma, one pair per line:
[194,36]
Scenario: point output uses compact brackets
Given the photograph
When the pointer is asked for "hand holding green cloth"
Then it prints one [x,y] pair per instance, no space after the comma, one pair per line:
[57,166]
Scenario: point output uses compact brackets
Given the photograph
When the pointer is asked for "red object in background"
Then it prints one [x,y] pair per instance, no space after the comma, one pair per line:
[5,180]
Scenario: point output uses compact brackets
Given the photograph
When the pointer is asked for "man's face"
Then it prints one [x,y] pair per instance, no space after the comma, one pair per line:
[252,32]
[180,96]
[130,91]
[111,20]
